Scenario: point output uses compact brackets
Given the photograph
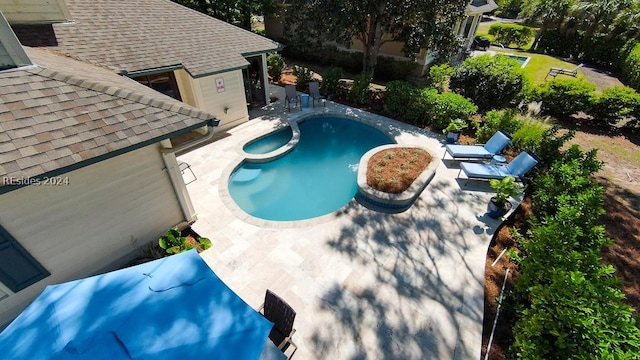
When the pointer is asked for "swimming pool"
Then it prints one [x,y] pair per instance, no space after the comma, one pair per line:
[522,60]
[269,143]
[316,178]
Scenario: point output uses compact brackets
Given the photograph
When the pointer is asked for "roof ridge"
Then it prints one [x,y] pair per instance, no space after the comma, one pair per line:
[183,109]
[221,21]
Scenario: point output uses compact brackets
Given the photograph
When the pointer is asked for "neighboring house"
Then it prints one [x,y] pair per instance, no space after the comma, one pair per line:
[466,30]
[204,62]
[88,173]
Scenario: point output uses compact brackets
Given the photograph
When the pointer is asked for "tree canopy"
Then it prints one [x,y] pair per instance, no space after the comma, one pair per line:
[237,12]
[417,23]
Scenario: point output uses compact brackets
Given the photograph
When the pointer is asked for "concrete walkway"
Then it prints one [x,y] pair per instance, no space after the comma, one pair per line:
[365,285]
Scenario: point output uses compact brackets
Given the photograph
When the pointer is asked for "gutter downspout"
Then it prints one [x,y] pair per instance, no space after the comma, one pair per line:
[171,164]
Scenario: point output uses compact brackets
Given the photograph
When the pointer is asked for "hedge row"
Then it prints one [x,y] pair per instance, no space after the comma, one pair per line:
[387,68]
[573,305]
[600,49]
[614,106]
[507,34]
[425,106]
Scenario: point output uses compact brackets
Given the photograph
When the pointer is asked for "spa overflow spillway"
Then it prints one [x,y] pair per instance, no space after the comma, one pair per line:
[318,177]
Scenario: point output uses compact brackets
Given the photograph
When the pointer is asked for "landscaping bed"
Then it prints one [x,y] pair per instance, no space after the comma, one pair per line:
[393,171]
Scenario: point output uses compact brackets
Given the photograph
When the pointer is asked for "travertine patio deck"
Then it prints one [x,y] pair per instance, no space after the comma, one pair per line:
[365,285]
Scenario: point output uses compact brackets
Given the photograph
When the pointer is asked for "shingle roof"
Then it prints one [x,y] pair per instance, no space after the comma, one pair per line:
[50,119]
[482,6]
[136,35]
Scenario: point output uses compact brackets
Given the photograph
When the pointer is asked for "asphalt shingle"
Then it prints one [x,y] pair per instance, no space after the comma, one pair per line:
[138,35]
[73,119]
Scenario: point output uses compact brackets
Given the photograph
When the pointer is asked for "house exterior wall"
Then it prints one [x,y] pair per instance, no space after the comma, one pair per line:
[231,97]
[186,87]
[34,11]
[108,210]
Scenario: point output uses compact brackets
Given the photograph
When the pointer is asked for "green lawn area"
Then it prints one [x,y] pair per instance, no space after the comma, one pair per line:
[539,66]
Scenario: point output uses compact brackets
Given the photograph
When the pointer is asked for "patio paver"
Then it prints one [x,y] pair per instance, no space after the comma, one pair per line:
[365,285]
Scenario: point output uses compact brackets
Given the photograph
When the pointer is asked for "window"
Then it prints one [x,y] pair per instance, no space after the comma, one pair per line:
[163,82]
[18,269]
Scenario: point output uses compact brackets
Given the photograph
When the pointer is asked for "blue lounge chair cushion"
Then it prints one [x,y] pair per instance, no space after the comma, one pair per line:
[484,171]
[498,141]
[519,166]
[468,151]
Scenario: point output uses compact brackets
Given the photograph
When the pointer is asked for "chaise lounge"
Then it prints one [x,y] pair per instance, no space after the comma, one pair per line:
[555,71]
[494,146]
[517,168]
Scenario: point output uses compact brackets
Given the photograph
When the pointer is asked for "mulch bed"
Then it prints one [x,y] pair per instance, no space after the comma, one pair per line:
[394,170]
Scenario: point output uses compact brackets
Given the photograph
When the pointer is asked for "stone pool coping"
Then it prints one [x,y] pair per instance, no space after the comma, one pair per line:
[403,200]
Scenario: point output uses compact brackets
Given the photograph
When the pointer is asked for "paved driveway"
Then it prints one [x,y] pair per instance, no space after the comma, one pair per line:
[365,285]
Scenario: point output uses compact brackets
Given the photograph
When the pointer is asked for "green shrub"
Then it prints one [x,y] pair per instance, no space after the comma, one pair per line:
[388,68]
[549,149]
[173,242]
[508,34]
[564,97]
[360,93]
[491,82]
[491,38]
[303,76]
[577,317]
[331,81]
[571,174]
[439,76]
[494,120]
[447,107]
[401,101]
[630,65]
[529,135]
[276,66]
[613,105]
[573,307]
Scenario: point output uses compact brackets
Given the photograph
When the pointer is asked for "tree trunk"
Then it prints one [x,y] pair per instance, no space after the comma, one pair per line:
[372,47]
[245,14]
[536,39]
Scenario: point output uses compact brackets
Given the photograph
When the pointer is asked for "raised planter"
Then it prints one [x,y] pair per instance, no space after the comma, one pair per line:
[371,197]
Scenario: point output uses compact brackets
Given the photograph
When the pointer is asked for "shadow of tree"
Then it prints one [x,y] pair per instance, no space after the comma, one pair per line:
[420,293]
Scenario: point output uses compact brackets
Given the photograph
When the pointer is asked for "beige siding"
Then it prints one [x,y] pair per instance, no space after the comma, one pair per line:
[186,87]
[107,211]
[34,11]
[232,98]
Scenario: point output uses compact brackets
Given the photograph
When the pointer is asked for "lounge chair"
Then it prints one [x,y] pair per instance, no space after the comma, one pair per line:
[314,92]
[555,71]
[494,146]
[517,168]
[291,95]
[282,315]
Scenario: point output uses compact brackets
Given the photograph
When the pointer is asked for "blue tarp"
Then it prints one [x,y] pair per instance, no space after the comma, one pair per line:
[172,308]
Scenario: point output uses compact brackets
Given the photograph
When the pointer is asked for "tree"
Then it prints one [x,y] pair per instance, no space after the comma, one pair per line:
[237,12]
[417,23]
[548,13]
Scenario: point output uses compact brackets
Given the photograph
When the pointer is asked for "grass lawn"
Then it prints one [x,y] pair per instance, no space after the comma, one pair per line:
[539,66]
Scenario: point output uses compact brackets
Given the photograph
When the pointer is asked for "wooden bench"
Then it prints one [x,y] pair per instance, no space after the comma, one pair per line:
[554,71]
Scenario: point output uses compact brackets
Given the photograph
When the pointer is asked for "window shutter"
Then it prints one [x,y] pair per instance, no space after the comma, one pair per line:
[18,269]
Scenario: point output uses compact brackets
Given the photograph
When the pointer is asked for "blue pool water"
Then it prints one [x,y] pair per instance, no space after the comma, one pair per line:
[522,60]
[269,143]
[316,178]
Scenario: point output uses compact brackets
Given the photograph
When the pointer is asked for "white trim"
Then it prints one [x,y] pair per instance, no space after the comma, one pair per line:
[265,79]
[6,290]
